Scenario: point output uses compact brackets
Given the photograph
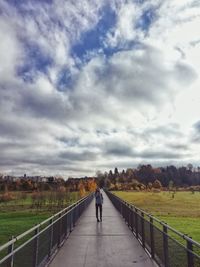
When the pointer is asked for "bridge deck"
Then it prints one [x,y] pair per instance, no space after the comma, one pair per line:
[105,244]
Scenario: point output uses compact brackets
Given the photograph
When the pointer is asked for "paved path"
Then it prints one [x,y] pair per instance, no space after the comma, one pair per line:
[105,244]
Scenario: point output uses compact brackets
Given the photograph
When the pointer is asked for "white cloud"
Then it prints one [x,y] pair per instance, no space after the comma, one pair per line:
[10,50]
[120,110]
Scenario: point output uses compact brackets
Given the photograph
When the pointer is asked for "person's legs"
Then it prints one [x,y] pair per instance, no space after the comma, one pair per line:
[96,211]
[100,207]
[97,208]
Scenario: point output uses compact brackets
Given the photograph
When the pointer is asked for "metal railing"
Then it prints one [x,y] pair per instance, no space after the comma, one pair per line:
[36,246]
[168,247]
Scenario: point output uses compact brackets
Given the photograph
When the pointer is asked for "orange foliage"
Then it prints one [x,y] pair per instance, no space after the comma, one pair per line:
[92,185]
[81,189]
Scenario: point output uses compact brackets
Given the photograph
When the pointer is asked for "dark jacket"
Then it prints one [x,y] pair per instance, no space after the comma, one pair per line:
[99,198]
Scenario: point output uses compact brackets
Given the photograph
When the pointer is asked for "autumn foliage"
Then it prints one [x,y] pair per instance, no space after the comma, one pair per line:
[81,190]
[91,185]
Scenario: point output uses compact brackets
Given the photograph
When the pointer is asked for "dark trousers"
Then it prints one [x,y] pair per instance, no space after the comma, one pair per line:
[98,208]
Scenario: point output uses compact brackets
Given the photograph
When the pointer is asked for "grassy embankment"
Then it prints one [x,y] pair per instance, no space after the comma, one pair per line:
[181,212]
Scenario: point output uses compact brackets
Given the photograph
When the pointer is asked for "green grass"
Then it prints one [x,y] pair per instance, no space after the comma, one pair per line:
[181,212]
[15,223]
[17,216]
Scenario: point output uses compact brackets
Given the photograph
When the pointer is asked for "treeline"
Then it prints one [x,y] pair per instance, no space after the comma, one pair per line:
[71,185]
[146,175]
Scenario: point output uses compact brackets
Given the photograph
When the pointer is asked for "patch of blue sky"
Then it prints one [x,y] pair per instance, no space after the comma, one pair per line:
[21,3]
[29,7]
[93,39]
[65,80]
[147,18]
[36,60]
[69,142]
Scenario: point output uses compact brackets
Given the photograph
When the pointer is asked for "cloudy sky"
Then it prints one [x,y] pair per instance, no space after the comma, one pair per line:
[89,85]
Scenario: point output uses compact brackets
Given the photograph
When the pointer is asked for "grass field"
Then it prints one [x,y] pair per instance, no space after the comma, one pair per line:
[17,216]
[181,212]
[15,223]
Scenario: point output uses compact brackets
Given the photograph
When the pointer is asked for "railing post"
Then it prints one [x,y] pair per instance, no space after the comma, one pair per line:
[70,221]
[36,245]
[136,223]
[143,232]
[65,225]
[190,256]
[133,219]
[79,210]
[84,204]
[152,238]
[126,213]
[131,215]
[165,246]
[51,237]
[74,215]
[73,224]
[59,230]
[10,250]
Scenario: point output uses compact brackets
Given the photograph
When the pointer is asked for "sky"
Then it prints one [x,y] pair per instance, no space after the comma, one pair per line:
[91,85]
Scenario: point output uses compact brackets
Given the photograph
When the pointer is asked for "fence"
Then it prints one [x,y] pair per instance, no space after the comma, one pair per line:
[36,246]
[168,247]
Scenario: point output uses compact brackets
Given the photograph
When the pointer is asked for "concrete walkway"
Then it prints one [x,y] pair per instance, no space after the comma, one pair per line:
[109,243]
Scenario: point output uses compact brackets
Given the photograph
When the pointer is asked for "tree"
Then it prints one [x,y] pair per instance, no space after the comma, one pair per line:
[146,174]
[190,167]
[157,184]
[60,196]
[171,185]
[81,190]
[116,173]
[110,175]
[91,184]
[150,185]
[101,183]
[99,175]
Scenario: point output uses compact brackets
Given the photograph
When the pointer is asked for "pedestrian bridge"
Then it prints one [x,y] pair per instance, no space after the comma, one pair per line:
[109,243]
[127,237]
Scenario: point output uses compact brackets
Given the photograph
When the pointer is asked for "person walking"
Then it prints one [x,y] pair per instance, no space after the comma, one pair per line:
[98,204]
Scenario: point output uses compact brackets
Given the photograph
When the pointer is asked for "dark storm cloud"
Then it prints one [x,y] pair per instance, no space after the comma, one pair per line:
[14,127]
[31,158]
[179,146]
[196,126]
[150,154]
[78,156]
[195,138]
[166,130]
[116,149]
[50,106]
[185,73]
[123,150]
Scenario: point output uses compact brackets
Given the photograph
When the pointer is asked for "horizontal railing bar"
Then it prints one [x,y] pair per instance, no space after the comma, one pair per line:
[42,223]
